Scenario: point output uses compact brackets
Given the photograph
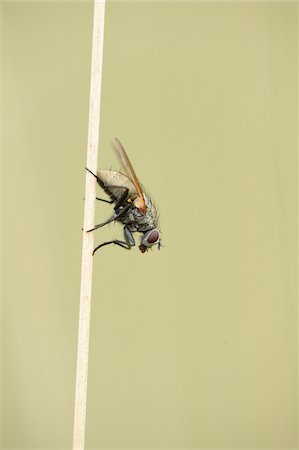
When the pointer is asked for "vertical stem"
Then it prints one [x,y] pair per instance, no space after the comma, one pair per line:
[88,238]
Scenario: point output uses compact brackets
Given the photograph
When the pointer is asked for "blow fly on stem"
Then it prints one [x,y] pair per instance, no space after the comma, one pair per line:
[132,206]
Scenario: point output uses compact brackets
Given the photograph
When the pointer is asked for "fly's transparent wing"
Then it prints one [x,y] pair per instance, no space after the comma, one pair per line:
[139,202]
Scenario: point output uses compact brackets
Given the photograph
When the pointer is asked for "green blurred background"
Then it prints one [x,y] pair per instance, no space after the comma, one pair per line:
[195,345]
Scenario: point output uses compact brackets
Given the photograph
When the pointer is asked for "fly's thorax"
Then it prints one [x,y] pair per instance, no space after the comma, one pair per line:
[136,220]
[151,212]
[140,221]
[149,219]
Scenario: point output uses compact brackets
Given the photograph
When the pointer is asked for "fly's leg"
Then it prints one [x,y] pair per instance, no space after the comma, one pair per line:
[130,241]
[93,174]
[106,201]
[112,218]
[129,236]
[116,242]
[97,198]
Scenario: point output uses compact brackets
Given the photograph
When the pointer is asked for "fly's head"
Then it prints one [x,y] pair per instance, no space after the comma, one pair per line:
[150,238]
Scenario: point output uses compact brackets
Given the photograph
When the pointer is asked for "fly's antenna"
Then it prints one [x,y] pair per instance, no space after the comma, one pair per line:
[89,215]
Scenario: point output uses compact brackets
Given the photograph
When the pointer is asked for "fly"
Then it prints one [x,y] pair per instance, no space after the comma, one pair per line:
[132,206]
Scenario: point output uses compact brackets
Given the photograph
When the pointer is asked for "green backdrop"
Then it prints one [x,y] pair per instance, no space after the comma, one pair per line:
[195,345]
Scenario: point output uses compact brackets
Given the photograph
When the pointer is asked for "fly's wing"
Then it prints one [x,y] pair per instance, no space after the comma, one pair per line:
[139,201]
[113,183]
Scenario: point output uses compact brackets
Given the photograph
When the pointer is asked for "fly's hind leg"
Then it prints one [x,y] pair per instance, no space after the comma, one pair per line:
[98,180]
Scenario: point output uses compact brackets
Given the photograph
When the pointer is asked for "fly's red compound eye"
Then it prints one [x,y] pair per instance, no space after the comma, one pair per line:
[153,237]
[150,238]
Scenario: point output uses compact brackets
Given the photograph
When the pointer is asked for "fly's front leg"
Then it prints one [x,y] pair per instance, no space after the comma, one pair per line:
[116,242]
[127,244]
[129,236]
